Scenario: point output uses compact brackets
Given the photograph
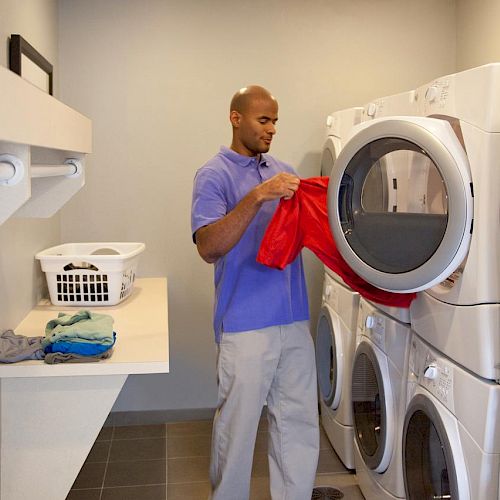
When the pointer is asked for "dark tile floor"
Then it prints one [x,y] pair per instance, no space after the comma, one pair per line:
[149,462]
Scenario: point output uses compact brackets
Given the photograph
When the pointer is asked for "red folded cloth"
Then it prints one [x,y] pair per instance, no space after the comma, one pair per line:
[301,222]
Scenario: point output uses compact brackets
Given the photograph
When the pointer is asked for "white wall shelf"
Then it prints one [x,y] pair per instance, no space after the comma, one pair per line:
[73,400]
[38,130]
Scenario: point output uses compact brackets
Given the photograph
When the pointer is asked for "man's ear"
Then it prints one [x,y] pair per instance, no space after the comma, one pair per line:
[235,118]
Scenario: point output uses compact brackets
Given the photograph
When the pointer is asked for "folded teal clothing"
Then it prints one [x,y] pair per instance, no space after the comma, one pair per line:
[83,348]
[84,326]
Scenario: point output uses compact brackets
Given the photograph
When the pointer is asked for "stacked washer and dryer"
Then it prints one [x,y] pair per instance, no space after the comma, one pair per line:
[383,334]
[413,206]
[336,328]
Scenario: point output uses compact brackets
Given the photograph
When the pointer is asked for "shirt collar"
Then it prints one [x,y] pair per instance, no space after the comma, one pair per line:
[242,160]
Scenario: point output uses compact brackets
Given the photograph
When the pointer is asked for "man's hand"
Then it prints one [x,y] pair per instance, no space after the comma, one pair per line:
[216,239]
[282,185]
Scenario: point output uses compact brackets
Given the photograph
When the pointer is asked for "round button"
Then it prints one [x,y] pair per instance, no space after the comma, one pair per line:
[431,371]
[369,322]
[371,109]
[431,93]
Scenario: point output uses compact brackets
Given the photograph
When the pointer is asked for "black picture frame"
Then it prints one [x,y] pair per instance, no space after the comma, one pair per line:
[17,48]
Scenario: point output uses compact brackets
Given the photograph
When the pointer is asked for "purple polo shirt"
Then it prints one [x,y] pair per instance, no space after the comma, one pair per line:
[248,295]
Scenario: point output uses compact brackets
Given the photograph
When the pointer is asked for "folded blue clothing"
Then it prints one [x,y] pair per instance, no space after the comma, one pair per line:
[82,348]
[84,326]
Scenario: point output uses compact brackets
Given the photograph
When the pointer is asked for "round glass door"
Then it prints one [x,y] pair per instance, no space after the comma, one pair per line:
[370,409]
[329,358]
[400,206]
[429,470]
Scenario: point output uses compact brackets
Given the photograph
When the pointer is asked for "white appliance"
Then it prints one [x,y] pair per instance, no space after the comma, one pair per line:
[335,341]
[445,239]
[460,316]
[338,127]
[404,103]
[378,402]
[451,433]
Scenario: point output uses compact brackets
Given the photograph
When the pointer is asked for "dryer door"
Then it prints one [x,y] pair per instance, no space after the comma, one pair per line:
[400,202]
[432,463]
[329,357]
[373,406]
[331,150]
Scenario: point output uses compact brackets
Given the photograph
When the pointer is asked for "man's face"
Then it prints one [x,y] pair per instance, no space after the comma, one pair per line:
[256,126]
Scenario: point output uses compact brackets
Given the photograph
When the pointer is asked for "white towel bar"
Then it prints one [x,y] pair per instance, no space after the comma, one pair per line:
[11,169]
[68,169]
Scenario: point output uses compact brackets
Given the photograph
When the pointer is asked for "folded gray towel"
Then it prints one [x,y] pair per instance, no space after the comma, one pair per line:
[15,348]
[53,358]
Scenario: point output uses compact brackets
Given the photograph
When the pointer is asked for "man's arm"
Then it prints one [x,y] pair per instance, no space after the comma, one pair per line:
[217,239]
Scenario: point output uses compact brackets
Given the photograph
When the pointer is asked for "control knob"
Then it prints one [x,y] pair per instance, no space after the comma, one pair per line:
[431,93]
[431,371]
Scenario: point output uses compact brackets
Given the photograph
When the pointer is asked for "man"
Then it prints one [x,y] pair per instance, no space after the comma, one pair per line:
[265,350]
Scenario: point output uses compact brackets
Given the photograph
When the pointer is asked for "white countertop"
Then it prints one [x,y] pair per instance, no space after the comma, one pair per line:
[141,326]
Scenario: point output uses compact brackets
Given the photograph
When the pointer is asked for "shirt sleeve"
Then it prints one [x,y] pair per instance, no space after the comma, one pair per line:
[209,203]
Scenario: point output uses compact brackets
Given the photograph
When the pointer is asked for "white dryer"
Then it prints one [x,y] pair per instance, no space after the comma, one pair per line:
[446,238]
[403,103]
[338,127]
[460,316]
[335,341]
[378,402]
[451,433]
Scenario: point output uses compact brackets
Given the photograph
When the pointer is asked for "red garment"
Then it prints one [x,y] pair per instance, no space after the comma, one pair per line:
[301,222]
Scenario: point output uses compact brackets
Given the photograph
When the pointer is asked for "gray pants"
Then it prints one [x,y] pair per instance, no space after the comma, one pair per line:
[276,365]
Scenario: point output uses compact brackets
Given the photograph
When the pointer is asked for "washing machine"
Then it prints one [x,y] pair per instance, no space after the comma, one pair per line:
[446,239]
[335,341]
[451,437]
[378,392]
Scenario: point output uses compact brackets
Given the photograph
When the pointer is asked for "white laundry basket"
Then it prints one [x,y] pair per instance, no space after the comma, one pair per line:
[90,274]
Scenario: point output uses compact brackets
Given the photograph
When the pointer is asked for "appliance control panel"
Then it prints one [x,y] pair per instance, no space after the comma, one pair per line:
[374,328]
[435,96]
[434,372]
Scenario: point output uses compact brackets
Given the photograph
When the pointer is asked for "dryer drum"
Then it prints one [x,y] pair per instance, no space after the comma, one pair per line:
[429,470]
[411,236]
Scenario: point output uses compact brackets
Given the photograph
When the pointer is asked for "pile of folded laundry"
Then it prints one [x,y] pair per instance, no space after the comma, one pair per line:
[79,338]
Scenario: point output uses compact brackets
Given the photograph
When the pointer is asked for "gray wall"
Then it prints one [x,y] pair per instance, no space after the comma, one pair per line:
[156,83]
[21,281]
[478,38]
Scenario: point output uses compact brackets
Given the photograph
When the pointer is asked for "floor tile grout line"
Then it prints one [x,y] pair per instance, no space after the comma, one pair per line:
[134,486]
[139,438]
[107,462]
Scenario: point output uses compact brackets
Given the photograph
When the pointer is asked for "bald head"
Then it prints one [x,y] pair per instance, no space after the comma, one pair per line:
[253,116]
[245,96]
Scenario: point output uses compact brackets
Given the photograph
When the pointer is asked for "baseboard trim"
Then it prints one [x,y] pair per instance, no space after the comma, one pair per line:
[150,417]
